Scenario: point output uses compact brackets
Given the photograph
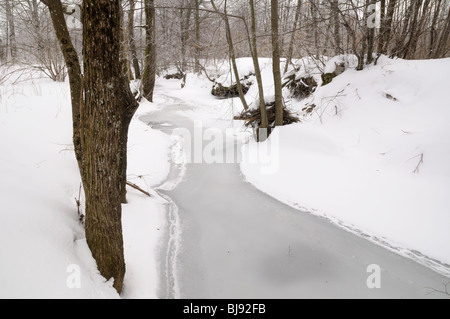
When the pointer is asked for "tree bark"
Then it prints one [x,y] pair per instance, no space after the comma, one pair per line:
[132,42]
[433,31]
[294,31]
[276,64]
[382,26]
[336,25]
[105,115]
[413,32]
[11,34]
[148,78]
[370,38]
[442,48]
[185,19]
[73,70]
[197,37]
[262,103]
[412,46]
[386,35]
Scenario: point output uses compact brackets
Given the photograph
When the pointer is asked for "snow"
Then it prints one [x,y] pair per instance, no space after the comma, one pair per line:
[353,159]
[42,243]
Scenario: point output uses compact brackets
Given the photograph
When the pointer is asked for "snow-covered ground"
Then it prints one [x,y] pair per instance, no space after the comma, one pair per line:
[372,157]
[42,244]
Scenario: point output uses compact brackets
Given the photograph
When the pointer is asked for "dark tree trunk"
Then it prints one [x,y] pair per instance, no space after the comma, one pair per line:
[276,64]
[420,28]
[197,37]
[385,37]
[11,34]
[433,31]
[73,69]
[337,26]
[442,48]
[370,38]
[231,51]
[262,103]
[382,26]
[105,115]
[413,32]
[185,21]
[131,40]
[294,31]
[148,78]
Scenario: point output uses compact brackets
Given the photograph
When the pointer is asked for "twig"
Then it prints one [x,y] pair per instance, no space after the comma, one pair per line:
[139,189]
[416,170]
[78,202]
[445,291]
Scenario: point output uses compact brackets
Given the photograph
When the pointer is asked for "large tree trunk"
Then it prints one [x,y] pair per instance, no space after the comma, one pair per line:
[148,78]
[105,115]
[131,40]
[294,32]
[262,103]
[276,64]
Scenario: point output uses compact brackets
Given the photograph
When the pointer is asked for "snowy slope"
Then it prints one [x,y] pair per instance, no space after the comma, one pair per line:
[357,158]
[42,243]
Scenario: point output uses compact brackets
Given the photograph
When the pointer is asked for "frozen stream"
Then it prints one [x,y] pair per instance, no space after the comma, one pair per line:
[237,242]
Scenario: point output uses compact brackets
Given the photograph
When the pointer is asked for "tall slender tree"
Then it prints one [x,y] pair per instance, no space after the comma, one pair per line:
[231,51]
[11,30]
[131,40]
[149,76]
[294,32]
[276,64]
[262,104]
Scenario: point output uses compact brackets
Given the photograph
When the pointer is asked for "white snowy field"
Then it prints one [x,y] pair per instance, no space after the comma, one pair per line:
[373,157]
[42,244]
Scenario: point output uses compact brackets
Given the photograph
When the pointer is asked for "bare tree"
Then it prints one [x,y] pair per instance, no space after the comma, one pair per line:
[262,104]
[224,16]
[276,65]
[131,40]
[291,42]
[149,75]
[10,30]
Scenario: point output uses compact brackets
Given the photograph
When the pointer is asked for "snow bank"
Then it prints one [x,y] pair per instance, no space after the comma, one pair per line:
[373,157]
[42,244]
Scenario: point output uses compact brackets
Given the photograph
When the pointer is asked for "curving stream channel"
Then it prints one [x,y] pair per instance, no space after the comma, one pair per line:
[226,239]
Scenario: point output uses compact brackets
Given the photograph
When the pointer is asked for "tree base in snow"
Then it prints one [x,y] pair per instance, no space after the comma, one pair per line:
[252,117]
